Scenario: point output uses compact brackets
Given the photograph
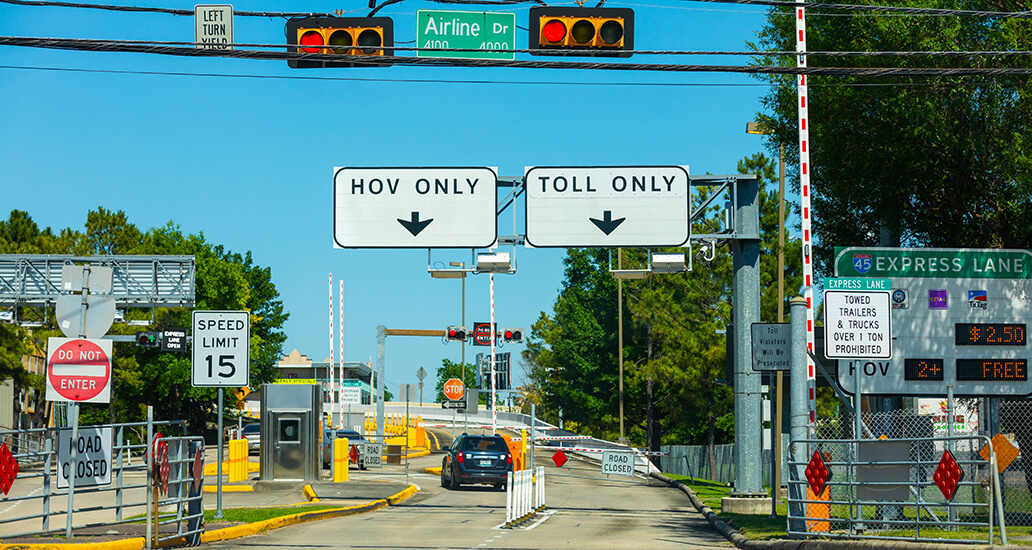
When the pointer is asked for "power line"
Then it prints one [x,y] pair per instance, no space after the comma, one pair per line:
[175,50]
[499,82]
[100,45]
[768,3]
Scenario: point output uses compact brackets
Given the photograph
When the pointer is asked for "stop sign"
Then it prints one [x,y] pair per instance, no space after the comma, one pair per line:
[79,370]
[454,389]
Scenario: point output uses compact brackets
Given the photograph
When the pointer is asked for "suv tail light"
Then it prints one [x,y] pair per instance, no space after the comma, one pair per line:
[508,458]
[461,457]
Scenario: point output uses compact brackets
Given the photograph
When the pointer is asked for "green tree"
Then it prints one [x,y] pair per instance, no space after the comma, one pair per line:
[917,161]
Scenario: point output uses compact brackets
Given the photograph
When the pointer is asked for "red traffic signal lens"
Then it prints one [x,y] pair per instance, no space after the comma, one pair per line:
[508,334]
[311,38]
[583,32]
[554,31]
[341,38]
[453,333]
[367,38]
[611,32]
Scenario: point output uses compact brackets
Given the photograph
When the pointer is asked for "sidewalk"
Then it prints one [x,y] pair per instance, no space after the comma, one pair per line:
[355,496]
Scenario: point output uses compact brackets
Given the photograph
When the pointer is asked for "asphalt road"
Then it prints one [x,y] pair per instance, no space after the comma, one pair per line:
[591,513]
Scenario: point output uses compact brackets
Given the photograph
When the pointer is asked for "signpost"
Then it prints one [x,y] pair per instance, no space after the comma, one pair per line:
[221,357]
[454,389]
[414,207]
[79,370]
[617,463]
[467,30]
[221,348]
[351,392]
[93,457]
[213,27]
[634,206]
[771,344]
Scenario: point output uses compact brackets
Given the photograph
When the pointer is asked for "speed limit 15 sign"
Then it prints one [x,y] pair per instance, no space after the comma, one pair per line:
[221,348]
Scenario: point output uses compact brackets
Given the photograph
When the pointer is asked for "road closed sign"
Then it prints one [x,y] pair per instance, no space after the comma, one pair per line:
[221,348]
[79,370]
[617,463]
[92,457]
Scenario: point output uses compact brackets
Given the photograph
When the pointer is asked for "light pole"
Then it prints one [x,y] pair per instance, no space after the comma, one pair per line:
[462,366]
[757,128]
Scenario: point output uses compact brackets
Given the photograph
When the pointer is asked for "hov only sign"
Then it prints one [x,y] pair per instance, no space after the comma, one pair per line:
[221,348]
[414,207]
[614,206]
[79,370]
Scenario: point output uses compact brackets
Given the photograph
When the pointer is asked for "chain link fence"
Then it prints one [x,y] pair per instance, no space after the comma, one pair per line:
[972,417]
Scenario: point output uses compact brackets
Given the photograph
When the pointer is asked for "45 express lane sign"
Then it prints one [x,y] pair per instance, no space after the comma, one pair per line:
[221,348]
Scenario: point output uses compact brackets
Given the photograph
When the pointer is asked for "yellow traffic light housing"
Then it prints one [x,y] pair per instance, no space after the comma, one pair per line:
[331,36]
[571,30]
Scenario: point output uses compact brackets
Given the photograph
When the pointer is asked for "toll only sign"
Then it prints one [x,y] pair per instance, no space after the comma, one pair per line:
[79,370]
[221,348]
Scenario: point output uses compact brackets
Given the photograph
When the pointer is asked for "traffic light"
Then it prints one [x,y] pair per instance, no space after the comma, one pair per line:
[512,335]
[566,30]
[455,334]
[358,36]
[148,339]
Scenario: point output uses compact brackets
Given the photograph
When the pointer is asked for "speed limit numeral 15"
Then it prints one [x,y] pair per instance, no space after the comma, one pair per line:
[225,362]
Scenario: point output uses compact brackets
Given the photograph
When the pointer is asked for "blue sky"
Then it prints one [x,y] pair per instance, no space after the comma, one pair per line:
[248,159]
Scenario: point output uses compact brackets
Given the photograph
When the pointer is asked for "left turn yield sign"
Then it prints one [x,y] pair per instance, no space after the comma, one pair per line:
[79,369]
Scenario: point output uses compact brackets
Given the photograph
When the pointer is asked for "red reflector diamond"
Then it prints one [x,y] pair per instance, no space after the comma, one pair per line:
[559,458]
[817,473]
[8,468]
[948,475]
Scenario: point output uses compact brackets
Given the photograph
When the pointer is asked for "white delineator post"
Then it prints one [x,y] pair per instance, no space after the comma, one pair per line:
[804,203]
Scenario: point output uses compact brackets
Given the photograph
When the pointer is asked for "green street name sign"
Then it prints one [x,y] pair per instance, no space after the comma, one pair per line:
[857,283]
[950,263]
[467,30]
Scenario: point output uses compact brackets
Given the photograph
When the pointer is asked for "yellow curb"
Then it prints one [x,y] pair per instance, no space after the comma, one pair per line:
[228,488]
[310,494]
[434,470]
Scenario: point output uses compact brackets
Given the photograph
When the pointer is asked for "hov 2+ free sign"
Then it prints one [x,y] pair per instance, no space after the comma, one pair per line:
[92,457]
[221,348]
[466,30]
[857,318]
[617,463]
[79,370]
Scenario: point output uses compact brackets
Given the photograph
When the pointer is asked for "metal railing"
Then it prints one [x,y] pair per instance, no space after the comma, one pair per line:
[889,492]
[37,483]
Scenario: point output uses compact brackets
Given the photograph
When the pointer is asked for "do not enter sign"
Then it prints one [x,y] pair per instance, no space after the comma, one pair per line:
[454,389]
[79,370]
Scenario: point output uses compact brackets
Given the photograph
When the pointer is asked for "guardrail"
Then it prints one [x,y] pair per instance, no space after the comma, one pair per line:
[895,489]
[40,480]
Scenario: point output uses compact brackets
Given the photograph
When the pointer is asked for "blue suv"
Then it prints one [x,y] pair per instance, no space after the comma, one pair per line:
[476,459]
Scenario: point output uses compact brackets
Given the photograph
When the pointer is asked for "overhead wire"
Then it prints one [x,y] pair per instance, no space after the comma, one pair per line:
[189,49]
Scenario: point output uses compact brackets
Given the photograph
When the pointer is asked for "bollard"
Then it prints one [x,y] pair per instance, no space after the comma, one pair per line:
[341,454]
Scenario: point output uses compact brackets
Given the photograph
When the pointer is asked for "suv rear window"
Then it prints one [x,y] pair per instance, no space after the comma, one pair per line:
[474,443]
[251,428]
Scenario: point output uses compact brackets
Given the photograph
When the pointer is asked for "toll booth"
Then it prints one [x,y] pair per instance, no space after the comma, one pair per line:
[290,432]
